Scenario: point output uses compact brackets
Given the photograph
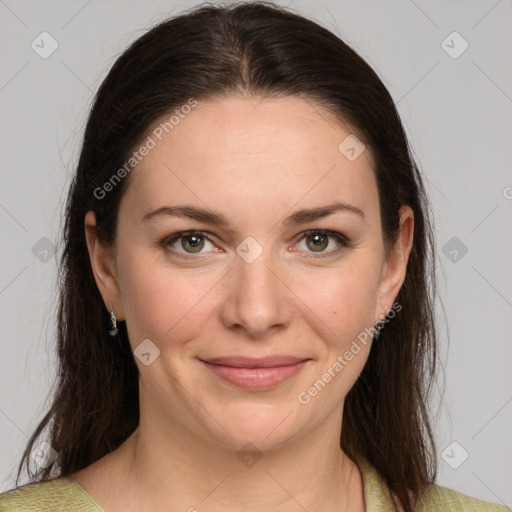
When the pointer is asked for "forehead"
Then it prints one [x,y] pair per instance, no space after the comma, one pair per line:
[236,153]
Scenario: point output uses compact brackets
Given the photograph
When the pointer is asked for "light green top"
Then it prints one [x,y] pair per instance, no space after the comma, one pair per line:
[65,495]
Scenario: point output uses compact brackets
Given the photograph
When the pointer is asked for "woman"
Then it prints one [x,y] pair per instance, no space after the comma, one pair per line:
[246,316]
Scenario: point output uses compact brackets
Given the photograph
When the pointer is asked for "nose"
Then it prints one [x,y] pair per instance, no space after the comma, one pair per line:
[257,300]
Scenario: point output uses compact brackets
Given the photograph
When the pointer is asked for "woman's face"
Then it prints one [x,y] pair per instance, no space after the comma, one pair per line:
[255,285]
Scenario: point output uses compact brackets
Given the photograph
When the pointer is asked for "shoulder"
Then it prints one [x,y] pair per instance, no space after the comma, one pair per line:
[442,498]
[57,495]
[379,498]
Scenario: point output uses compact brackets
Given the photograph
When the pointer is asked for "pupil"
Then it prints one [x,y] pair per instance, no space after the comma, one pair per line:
[192,242]
[319,242]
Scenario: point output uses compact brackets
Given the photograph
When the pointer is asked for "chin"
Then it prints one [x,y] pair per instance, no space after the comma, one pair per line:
[266,426]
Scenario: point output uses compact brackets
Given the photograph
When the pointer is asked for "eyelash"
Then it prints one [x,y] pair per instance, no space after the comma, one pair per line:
[341,239]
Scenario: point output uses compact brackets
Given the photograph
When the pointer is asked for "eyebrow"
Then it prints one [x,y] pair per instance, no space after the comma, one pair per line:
[217,219]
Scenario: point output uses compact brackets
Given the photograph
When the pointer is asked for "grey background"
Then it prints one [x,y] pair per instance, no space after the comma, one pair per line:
[457,113]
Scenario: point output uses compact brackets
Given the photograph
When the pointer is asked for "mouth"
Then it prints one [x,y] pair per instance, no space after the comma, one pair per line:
[253,373]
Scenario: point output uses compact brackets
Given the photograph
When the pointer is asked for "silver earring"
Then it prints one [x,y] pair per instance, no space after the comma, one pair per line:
[377,328]
[113,324]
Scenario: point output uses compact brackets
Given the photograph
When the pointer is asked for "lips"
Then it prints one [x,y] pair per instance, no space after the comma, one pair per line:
[252,362]
[255,373]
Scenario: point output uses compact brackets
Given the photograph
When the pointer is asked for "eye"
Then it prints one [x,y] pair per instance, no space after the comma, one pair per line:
[188,242]
[317,241]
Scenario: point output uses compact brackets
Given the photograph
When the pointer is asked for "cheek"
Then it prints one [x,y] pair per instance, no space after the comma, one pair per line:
[343,299]
[169,304]
[162,303]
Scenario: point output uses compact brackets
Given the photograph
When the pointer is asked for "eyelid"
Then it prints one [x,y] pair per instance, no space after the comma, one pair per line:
[342,240]
[182,234]
[328,232]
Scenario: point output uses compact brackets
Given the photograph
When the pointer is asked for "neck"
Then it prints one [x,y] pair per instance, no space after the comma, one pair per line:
[184,470]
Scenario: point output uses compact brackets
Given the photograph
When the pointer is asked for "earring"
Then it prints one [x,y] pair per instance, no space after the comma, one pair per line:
[378,328]
[113,324]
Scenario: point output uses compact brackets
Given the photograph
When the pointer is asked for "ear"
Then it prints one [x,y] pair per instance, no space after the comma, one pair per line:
[395,266]
[103,267]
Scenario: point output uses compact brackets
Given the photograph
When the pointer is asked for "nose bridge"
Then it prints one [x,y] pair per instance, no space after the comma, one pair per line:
[258,300]
[256,279]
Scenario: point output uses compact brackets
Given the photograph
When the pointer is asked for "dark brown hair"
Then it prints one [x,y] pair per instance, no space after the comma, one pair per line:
[262,50]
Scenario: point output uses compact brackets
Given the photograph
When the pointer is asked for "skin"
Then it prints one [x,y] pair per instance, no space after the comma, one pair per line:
[255,162]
